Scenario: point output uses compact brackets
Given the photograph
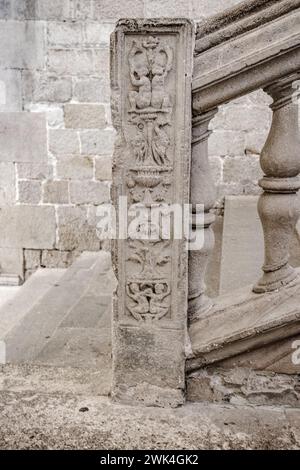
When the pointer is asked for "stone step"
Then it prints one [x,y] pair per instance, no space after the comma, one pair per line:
[18,301]
[69,324]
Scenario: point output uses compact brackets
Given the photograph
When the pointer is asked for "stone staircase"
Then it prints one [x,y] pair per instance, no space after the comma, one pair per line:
[61,319]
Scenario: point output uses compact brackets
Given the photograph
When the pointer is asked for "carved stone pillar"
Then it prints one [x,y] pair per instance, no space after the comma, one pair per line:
[279,205]
[203,194]
[151,103]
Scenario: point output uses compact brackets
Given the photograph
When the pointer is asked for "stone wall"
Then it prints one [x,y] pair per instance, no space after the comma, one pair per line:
[56,137]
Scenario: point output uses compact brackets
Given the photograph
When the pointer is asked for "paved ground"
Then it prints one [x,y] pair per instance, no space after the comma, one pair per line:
[32,419]
[7,293]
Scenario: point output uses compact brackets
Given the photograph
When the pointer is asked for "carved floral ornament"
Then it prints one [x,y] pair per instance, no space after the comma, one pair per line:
[149,177]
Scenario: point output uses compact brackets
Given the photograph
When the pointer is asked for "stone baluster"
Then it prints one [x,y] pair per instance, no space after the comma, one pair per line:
[203,193]
[279,207]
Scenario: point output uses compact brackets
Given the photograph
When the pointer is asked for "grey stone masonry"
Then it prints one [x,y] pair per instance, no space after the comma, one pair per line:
[151,102]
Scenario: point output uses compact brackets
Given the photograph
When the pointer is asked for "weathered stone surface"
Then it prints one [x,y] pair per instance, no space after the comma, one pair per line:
[40,87]
[26,226]
[167,8]
[12,261]
[7,184]
[243,321]
[56,192]
[103,168]
[18,40]
[92,90]
[150,306]
[89,192]
[240,386]
[57,259]
[84,116]
[64,34]
[10,90]
[30,192]
[64,141]
[23,137]
[35,171]
[32,259]
[56,9]
[78,61]
[224,143]
[115,10]
[98,33]
[241,264]
[34,419]
[75,167]
[96,142]
[74,231]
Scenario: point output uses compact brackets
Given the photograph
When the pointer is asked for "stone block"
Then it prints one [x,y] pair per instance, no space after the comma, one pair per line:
[40,87]
[25,226]
[32,259]
[64,34]
[74,231]
[18,41]
[89,192]
[57,259]
[23,137]
[76,168]
[254,141]
[96,142]
[168,9]
[103,168]
[56,192]
[7,184]
[105,9]
[63,141]
[75,61]
[54,114]
[5,9]
[92,90]
[12,261]
[54,10]
[82,10]
[150,304]
[242,169]
[10,91]
[24,9]
[247,118]
[84,116]
[35,171]
[30,192]
[97,33]
[222,143]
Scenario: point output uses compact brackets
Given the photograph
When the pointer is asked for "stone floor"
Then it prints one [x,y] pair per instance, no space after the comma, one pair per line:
[77,418]
[7,293]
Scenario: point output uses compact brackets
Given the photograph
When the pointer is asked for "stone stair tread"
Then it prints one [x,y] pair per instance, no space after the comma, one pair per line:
[16,307]
[242,321]
[82,280]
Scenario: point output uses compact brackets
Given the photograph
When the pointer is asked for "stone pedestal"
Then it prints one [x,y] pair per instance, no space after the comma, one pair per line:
[151,104]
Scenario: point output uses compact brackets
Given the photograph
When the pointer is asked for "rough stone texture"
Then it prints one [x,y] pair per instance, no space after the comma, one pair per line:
[103,168]
[75,167]
[56,192]
[26,226]
[23,137]
[150,305]
[7,184]
[33,419]
[90,192]
[82,116]
[30,192]
[10,90]
[74,230]
[243,386]
[18,41]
